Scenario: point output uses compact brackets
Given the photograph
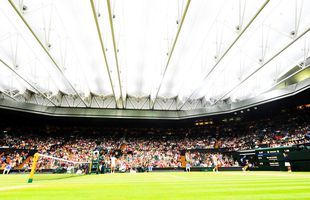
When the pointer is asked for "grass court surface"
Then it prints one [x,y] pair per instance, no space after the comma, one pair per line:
[161,185]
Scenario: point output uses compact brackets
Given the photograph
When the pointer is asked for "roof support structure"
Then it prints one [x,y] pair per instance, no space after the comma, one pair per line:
[146,100]
[115,51]
[283,80]
[264,64]
[129,100]
[171,51]
[109,103]
[7,95]
[227,50]
[46,51]
[65,97]
[103,49]
[96,101]
[173,101]
[31,85]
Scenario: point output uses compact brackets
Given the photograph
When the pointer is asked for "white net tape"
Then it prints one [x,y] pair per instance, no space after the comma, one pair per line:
[60,165]
[64,160]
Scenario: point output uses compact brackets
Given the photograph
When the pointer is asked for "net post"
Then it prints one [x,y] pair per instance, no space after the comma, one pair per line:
[89,166]
[33,168]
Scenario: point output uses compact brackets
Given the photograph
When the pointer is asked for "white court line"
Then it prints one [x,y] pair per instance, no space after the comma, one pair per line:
[15,187]
[178,177]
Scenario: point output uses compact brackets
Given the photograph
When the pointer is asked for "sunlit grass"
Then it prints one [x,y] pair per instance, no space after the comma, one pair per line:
[163,185]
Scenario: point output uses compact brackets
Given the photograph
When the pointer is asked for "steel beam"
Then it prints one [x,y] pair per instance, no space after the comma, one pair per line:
[227,50]
[103,49]
[171,52]
[115,52]
[7,95]
[46,51]
[31,85]
[264,64]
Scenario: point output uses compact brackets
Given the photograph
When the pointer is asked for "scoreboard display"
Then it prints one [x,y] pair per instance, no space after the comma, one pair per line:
[271,159]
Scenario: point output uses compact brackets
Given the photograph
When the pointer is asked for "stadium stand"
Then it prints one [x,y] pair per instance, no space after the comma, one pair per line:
[145,148]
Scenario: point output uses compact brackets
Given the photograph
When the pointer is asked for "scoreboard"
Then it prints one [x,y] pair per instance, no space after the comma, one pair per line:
[271,158]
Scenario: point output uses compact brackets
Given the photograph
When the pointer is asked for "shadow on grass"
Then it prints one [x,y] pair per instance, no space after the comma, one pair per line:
[46,177]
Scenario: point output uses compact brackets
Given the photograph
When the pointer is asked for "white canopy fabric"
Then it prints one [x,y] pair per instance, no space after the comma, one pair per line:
[159,49]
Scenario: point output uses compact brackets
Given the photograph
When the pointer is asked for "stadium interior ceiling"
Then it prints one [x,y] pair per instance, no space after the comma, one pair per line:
[272,109]
[158,59]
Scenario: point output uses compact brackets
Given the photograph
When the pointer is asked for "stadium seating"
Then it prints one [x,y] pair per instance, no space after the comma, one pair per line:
[160,148]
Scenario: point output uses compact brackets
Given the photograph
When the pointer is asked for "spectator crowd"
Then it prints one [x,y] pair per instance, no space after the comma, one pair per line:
[150,147]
